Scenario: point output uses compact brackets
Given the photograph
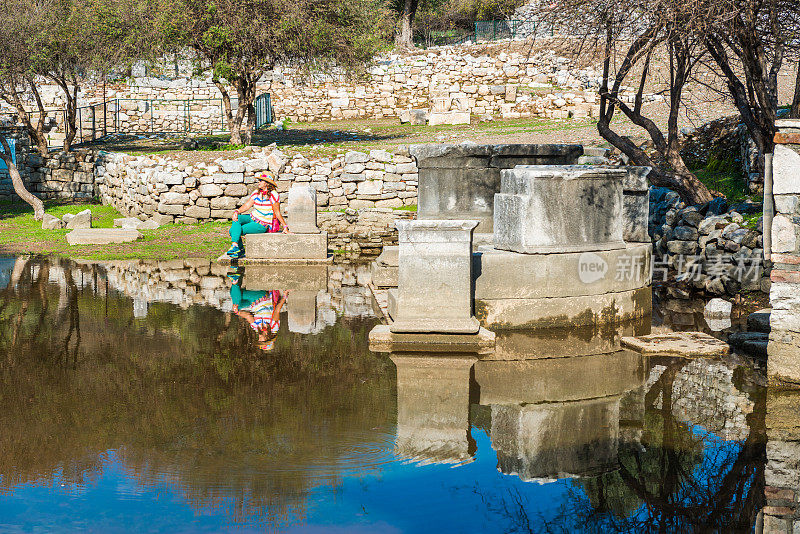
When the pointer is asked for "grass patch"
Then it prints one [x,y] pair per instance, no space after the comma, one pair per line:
[724,177]
[21,234]
[751,221]
[412,208]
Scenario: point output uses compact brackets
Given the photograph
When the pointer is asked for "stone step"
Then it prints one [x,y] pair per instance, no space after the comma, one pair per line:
[286,246]
[685,344]
[759,321]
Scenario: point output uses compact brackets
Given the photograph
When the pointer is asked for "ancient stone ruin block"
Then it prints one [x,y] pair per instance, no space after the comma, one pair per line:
[272,247]
[302,210]
[435,273]
[546,209]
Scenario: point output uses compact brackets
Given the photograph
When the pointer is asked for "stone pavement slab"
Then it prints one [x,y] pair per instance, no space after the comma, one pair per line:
[102,236]
[687,344]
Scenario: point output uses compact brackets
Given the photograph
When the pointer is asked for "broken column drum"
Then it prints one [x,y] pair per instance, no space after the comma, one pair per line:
[435,273]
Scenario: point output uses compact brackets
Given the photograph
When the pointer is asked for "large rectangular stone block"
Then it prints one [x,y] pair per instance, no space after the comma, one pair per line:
[786,171]
[501,274]
[286,246]
[547,208]
[461,193]
[435,277]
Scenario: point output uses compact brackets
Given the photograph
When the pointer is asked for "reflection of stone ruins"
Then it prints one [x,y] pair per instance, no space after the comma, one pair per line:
[558,405]
[319,293]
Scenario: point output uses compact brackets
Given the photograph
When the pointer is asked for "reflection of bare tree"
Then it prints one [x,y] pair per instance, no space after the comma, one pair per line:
[74,322]
[185,399]
[678,479]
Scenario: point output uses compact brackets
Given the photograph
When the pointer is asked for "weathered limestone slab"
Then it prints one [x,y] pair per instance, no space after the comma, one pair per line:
[686,344]
[302,210]
[102,236]
[127,222]
[558,379]
[286,246]
[433,408]
[536,313]
[285,277]
[500,274]
[448,117]
[435,275]
[546,209]
[384,275]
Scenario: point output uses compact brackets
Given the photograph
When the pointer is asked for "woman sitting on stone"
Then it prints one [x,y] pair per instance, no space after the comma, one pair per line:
[265,217]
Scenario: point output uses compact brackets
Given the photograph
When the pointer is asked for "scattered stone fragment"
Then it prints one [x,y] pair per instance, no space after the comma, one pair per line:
[149,224]
[102,236]
[127,222]
[718,308]
[81,220]
[51,222]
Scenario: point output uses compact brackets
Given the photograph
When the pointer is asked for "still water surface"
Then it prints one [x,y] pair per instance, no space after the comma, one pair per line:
[133,398]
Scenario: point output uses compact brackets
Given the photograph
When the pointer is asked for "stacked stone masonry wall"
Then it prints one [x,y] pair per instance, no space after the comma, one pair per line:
[711,249]
[477,79]
[784,343]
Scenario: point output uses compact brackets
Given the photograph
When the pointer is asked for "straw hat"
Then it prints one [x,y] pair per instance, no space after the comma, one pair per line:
[268,177]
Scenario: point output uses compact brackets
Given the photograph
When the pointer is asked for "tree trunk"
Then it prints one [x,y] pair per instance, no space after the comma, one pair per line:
[691,190]
[226,102]
[238,120]
[246,91]
[35,131]
[795,111]
[19,185]
[251,124]
[71,121]
[404,37]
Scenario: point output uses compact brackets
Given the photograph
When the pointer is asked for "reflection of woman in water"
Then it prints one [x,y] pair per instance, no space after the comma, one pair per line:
[262,309]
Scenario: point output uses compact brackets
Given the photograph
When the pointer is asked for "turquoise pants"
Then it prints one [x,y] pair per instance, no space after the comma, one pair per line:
[244,297]
[245,225]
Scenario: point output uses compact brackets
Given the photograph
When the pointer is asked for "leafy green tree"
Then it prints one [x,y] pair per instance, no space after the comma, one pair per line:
[239,41]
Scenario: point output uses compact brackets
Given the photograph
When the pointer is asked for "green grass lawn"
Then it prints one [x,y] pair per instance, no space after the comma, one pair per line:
[21,234]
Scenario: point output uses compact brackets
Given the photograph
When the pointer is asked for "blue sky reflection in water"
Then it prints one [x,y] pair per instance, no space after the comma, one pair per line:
[175,421]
